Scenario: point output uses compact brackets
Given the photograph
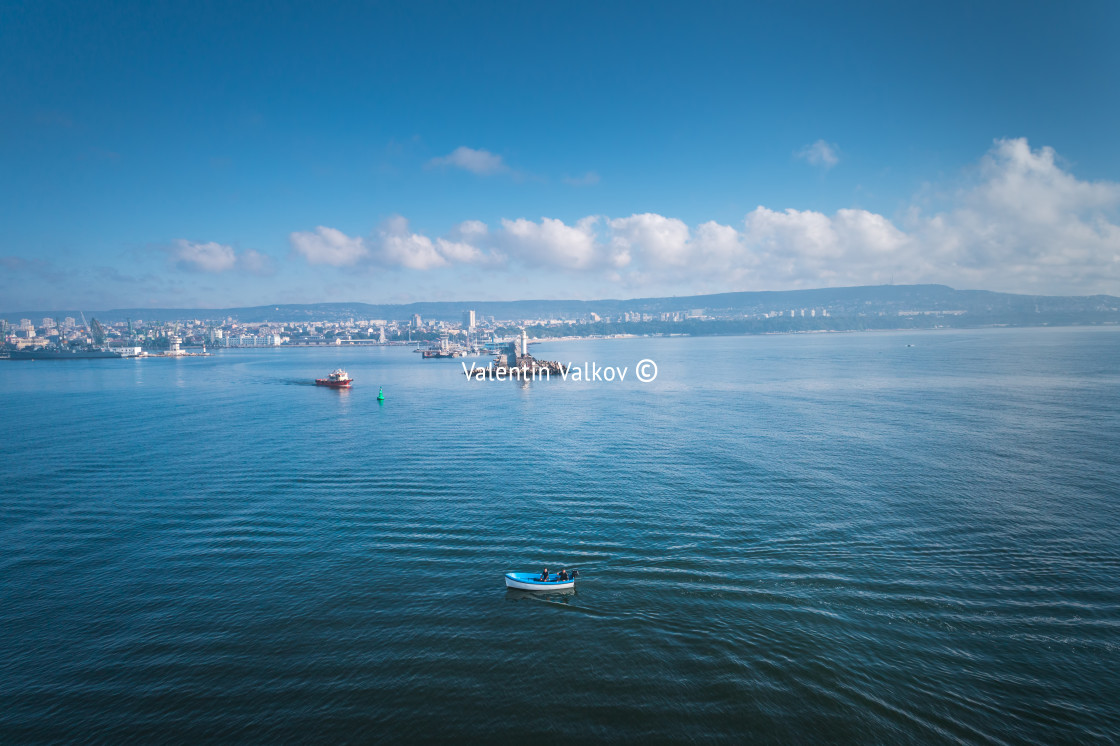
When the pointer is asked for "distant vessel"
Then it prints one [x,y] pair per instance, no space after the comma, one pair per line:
[339,380]
[59,353]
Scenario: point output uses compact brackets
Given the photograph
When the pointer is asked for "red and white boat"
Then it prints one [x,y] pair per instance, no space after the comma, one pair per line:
[339,380]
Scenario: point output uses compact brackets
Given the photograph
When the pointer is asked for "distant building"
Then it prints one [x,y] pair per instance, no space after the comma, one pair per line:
[416,321]
[125,349]
[468,321]
[257,340]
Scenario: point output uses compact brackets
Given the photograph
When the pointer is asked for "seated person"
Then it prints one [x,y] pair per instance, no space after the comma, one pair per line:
[544,575]
[563,575]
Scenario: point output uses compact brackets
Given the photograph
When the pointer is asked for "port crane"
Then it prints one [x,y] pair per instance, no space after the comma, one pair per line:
[97,332]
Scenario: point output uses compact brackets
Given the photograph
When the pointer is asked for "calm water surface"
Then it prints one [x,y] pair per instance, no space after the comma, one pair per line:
[791,538]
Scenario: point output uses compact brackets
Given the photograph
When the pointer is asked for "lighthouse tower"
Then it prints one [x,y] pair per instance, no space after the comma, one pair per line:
[524,342]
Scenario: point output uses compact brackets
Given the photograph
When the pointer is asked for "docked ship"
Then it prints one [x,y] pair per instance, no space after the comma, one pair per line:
[443,352]
[338,379]
[62,353]
[443,349]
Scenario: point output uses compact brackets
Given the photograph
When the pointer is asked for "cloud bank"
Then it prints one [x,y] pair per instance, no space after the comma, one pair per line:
[1022,224]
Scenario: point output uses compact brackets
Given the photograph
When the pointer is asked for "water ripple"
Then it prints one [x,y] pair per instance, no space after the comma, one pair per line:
[823,540]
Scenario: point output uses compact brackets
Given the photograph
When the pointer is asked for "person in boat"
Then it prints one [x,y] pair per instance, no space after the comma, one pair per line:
[544,576]
[563,575]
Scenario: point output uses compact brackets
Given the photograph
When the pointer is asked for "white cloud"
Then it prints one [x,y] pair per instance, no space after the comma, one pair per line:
[806,248]
[655,239]
[204,257]
[717,244]
[553,243]
[459,252]
[866,234]
[481,162]
[256,263]
[470,242]
[803,233]
[1025,223]
[470,230]
[412,251]
[214,258]
[819,153]
[399,247]
[329,246]
[395,246]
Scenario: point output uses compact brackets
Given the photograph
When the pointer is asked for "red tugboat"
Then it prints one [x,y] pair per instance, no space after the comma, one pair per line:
[338,380]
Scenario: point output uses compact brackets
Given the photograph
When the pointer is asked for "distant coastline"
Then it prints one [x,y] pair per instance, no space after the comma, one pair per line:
[580,338]
[860,301]
[466,327]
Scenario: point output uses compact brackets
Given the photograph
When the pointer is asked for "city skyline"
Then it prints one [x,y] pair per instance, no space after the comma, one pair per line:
[271,154]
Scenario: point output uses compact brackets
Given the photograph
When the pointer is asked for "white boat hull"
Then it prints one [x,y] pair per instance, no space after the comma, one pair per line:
[536,585]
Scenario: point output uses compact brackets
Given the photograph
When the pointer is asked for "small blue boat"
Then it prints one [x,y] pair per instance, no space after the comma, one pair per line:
[531,581]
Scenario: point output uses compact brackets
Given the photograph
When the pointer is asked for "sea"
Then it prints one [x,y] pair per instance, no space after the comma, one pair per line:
[893,537]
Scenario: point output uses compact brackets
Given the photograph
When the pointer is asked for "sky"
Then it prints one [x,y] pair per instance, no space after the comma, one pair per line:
[206,154]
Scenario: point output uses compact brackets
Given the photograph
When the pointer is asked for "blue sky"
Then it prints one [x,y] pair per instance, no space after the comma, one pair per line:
[223,154]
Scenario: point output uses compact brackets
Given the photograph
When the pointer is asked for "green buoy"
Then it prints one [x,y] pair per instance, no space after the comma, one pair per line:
[380,394]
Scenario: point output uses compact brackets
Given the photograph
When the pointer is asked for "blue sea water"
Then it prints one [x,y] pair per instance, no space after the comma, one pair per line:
[880,537]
